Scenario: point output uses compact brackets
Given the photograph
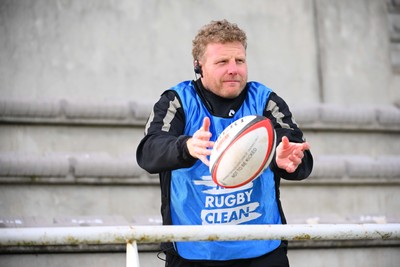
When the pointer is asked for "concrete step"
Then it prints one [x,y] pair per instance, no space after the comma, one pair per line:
[122,141]
[77,167]
[357,257]
[63,111]
[73,163]
[340,188]
[302,203]
[132,112]
[115,128]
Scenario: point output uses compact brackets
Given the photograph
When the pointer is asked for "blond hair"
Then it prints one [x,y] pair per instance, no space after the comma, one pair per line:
[220,31]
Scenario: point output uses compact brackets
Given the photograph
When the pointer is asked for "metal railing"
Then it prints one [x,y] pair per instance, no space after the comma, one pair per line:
[131,235]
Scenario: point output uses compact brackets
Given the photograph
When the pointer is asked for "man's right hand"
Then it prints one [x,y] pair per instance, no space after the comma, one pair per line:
[199,145]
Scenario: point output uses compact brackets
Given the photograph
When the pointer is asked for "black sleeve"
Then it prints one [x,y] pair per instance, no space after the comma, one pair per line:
[163,147]
[278,112]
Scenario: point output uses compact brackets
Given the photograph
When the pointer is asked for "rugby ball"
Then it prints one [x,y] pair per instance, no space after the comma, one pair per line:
[242,151]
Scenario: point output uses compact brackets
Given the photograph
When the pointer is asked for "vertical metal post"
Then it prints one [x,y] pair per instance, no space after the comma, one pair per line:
[132,254]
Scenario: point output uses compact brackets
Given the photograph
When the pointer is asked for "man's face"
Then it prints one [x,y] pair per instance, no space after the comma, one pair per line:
[224,69]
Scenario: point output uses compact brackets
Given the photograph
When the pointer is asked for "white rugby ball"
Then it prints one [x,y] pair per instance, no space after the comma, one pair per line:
[242,151]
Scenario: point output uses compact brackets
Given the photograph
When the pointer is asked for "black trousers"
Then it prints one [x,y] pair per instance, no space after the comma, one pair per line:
[276,258]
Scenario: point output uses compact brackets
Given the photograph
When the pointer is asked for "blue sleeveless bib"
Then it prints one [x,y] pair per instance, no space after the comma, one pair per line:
[197,200]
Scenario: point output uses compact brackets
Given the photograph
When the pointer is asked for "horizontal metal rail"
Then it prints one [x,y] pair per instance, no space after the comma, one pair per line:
[148,234]
[131,235]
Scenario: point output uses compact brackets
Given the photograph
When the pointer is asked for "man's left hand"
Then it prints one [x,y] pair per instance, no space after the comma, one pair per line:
[289,154]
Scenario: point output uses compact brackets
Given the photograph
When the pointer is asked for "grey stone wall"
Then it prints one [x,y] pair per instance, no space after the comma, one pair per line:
[308,51]
[78,79]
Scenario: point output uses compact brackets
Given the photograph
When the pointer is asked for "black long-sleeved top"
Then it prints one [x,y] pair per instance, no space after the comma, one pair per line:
[164,149]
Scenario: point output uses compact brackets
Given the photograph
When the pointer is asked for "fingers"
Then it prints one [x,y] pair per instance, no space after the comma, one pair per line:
[306,146]
[204,131]
[285,142]
[202,135]
[296,160]
[290,168]
[206,124]
[199,145]
[297,155]
[205,160]
[290,155]
[298,152]
[200,149]
[287,145]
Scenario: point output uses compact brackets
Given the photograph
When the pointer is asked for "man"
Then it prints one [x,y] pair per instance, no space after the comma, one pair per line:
[179,136]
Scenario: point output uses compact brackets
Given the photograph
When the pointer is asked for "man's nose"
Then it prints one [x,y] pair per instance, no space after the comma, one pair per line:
[232,67]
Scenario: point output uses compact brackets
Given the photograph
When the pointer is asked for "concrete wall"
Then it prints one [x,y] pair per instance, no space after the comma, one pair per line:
[298,258]
[75,77]
[308,51]
[354,45]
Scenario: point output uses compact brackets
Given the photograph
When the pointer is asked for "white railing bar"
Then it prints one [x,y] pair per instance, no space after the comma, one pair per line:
[149,234]
[132,254]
